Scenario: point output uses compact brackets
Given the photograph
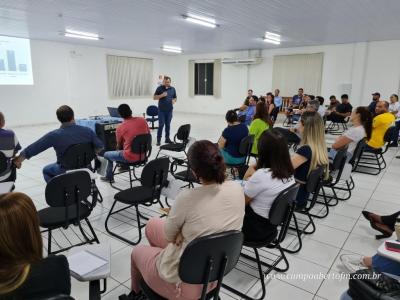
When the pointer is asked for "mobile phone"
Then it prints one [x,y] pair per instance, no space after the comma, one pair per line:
[392,246]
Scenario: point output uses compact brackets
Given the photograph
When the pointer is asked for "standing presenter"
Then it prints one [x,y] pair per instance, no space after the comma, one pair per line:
[165,94]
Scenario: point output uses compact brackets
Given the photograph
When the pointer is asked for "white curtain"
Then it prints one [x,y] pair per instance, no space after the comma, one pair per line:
[129,76]
[291,72]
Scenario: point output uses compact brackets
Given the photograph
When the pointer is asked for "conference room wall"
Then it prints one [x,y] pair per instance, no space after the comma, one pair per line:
[364,67]
[69,74]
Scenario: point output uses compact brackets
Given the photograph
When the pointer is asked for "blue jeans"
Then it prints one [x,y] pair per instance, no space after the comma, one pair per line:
[164,118]
[385,265]
[112,156]
[51,171]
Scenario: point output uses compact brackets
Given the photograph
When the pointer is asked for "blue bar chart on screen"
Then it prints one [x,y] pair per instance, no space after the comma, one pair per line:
[15,61]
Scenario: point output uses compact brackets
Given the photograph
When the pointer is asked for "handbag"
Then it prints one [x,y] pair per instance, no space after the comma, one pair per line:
[369,284]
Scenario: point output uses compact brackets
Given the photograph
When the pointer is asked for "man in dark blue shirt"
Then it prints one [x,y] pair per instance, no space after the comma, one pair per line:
[166,96]
[375,99]
[60,139]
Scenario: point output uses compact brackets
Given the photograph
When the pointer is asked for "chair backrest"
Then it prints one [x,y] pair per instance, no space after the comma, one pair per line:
[291,137]
[68,189]
[281,204]
[155,173]
[78,156]
[337,163]
[152,111]
[141,145]
[209,258]
[389,135]
[314,179]
[357,152]
[245,145]
[3,162]
[183,133]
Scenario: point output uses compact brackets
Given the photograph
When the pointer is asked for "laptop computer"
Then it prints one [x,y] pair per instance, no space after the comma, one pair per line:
[113,111]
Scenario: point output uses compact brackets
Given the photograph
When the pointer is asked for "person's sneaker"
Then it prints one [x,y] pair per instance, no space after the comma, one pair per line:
[158,144]
[394,145]
[122,168]
[168,141]
[106,179]
[352,262]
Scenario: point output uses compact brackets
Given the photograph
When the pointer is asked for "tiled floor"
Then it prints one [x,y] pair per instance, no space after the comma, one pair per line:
[343,231]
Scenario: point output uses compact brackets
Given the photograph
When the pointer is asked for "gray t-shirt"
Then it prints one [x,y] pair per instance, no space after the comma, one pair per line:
[356,134]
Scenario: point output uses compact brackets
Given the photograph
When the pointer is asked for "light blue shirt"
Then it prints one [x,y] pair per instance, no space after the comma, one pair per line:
[278,101]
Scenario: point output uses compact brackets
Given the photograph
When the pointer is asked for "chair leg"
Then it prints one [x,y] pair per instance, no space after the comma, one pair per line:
[49,242]
[92,231]
[298,233]
[111,212]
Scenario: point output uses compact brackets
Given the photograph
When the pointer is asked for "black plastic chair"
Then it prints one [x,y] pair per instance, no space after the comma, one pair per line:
[53,297]
[3,163]
[186,175]
[206,260]
[293,140]
[67,197]
[313,186]
[181,139]
[153,179]
[334,126]
[82,157]
[279,215]
[5,166]
[371,161]
[141,145]
[245,150]
[152,112]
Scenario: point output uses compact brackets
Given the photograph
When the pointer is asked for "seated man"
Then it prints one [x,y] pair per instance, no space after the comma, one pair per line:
[394,108]
[245,104]
[333,102]
[340,112]
[60,139]
[375,99]
[126,132]
[295,104]
[9,145]
[247,115]
[382,121]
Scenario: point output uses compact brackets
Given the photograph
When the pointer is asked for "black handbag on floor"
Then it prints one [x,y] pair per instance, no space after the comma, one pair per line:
[373,285]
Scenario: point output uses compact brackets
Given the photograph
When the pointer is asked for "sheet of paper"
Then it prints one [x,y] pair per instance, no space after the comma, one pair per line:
[84,262]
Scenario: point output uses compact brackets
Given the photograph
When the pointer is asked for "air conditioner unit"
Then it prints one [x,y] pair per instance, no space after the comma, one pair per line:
[242,61]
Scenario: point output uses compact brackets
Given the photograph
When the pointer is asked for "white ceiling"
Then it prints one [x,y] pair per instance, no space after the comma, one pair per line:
[145,25]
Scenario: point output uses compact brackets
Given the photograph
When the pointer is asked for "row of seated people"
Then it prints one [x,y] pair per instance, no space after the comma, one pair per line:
[158,263]
[224,204]
[70,134]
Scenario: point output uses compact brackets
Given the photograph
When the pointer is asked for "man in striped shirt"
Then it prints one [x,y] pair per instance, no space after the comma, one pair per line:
[9,146]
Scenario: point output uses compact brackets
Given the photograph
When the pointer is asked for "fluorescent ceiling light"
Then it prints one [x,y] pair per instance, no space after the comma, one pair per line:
[272,38]
[172,49]
[201,20]
[81,34]
[272,41]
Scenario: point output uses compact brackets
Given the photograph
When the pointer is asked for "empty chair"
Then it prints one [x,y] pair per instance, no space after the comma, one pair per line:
[153,179]
[181,140]
[337,127]
[67,196]
[82,157]
[206,260]
[279,215]
[152,112]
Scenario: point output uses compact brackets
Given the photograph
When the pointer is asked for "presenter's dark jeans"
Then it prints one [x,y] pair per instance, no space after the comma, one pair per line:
[164,118]
[396,132]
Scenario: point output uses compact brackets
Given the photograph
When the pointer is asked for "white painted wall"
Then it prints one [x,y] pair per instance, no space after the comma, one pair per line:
[72,75]
[368,67]
[76,75]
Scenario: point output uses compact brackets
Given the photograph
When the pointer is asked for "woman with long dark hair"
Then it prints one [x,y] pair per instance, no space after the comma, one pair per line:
[215,206]
[261,122]
[270,103]
[362,128]
[24,273]
[271,175]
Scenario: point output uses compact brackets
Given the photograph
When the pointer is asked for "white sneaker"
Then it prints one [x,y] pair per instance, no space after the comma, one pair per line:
[352,262]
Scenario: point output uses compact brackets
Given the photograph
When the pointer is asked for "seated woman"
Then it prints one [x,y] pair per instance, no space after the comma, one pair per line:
[24,273]
[260,123]
[362,127]
[229,142]
[383,224]
[215,206]
[271,175]
[270,103]
[311,153]
[247,115]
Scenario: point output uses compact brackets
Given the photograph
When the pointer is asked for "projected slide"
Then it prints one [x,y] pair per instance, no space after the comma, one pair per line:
[15,61]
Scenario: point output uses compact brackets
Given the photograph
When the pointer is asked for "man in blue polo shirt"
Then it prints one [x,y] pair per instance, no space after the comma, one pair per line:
[60,139]
[165,94]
